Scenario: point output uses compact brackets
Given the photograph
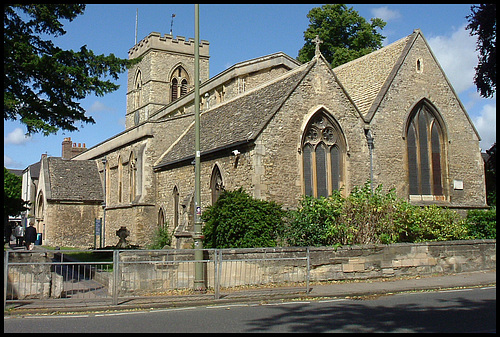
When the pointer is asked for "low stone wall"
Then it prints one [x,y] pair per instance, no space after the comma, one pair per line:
[282,265]
[33,280]
[402,259]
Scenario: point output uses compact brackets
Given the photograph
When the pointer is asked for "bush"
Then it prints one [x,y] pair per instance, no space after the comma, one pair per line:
[482,224]
[365,217]
[237,220]
[161,237]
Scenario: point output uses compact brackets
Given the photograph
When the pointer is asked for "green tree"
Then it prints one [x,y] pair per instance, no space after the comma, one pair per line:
[345,34]
[12,188]
[42,82]
[483,23]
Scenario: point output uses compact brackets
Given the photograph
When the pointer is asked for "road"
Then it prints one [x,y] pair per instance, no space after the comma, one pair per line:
[464,310]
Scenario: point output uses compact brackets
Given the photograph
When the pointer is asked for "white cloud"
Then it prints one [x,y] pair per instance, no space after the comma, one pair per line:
[385,13]
[485,124]
[98,106]
[10,163]
[16,137]
[457,56]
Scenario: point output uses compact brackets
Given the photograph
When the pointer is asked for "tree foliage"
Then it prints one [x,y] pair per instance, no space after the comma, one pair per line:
[345,34]
[42,82]
[12,189]
[483,23]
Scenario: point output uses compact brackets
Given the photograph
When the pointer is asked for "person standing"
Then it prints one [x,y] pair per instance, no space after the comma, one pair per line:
[30,236]
[19,233]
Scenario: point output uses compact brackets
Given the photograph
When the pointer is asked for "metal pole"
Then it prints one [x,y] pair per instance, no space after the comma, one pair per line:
[103,228]
[5,276]
[199,283]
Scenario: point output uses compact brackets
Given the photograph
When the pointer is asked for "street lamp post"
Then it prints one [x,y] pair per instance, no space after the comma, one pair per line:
[103,236]
[199,283]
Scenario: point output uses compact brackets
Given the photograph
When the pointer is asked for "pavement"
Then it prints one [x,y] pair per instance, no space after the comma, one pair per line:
[318,290]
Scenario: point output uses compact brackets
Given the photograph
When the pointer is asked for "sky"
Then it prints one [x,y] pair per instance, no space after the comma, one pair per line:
[238,33]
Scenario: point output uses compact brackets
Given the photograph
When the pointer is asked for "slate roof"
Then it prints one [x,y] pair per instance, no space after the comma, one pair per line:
[364,78]
[75,180]
[236,121]
[240,120]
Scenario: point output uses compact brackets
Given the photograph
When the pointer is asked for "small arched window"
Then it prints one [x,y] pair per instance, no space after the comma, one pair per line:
[161,218]
[424,139]
[216,184]
[184,84]
[323,150]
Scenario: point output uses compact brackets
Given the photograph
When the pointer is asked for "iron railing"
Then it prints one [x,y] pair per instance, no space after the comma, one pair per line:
[88,275]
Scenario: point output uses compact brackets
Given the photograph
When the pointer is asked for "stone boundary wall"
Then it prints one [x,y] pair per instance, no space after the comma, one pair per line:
[402,259]
[289,264]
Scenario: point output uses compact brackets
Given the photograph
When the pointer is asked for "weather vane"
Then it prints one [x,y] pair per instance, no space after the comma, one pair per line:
[172,23]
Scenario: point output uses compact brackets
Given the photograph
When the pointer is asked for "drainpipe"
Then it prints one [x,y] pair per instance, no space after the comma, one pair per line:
[369,139]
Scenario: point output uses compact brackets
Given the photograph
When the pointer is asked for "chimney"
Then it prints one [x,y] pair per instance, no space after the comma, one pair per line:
[66,148]
[70,149]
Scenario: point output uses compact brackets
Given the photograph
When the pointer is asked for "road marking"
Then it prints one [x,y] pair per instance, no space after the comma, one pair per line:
[486,288]
[286,303]
[120,313]
[453,290]
[335,300]
[226,306]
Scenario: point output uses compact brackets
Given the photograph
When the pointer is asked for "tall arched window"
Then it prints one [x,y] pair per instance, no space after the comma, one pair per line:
[175,195]
[216,184]
[424,137]
[120,179]
[323,149]
[132,173]
[137,87]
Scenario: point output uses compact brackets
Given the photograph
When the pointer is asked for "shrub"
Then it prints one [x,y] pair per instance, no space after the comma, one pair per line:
[161,237]
[482,224]
[366,217]
[237,220]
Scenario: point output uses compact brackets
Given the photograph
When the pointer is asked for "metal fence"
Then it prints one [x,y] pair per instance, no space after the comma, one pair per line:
[120,274]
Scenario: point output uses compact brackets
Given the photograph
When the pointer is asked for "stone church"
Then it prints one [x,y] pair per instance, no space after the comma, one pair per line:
[278,128]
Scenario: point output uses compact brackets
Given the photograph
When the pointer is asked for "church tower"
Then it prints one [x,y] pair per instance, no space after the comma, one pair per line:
[165,73]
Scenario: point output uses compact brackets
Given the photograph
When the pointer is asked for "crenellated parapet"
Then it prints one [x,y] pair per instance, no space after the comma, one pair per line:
[167,43]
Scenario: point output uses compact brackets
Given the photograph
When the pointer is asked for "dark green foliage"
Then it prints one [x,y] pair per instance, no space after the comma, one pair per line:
[161,237]
[13,204]
[345,34]
[482,224]
[43,83]
[483,23]
[237,220]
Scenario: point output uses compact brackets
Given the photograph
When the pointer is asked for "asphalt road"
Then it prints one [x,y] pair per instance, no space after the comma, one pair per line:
[464,310]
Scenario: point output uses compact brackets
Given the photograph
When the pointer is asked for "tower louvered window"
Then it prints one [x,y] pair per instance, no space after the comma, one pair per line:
[179,83]
[424,148]
[174,89]
[323,149]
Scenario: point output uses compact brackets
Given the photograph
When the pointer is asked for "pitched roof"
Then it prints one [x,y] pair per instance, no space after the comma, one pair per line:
[236,121]
[76,180]
[364,78]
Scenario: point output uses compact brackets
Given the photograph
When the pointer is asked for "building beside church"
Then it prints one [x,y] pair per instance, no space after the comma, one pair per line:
[275,127]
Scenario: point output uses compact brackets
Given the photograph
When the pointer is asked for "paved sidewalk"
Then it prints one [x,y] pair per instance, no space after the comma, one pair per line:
[331,289]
